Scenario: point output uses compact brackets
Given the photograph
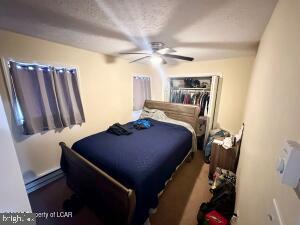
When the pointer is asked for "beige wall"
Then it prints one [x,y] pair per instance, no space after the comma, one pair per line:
[272,115]
[106,91]
[233,88]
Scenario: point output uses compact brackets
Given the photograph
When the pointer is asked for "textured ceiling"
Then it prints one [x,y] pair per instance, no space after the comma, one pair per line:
[204,29]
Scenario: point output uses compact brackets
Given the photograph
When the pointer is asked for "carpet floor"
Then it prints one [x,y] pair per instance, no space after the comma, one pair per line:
[177,206]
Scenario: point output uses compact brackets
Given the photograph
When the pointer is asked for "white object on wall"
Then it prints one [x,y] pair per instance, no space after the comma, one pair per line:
[12,189]
[289,163]
[274,217]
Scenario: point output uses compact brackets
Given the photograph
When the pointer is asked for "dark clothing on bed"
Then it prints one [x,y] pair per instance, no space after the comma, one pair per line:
[118,129]
[142,161]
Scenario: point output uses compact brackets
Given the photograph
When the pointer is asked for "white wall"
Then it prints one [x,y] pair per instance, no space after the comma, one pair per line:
[272,115]
[106,92]
[13,196]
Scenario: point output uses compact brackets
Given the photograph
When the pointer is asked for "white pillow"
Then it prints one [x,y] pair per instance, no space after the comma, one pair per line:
[147,113]
[153,114]
[159,115]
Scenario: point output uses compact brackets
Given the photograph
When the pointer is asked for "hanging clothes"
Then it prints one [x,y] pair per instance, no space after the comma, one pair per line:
[192,97]
[204,102]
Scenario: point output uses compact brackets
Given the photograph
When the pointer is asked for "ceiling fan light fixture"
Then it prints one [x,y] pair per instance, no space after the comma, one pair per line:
[158,54]
[156,59]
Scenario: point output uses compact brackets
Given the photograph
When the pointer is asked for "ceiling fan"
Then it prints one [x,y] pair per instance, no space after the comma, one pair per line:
[158,54]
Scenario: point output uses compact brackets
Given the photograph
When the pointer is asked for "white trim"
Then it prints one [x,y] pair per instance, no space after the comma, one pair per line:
[194,75]
[277,212]
[211,120]
[7,79]
[142,76]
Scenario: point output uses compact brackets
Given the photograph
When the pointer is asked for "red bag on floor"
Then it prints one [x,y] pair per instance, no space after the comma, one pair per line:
[215,218]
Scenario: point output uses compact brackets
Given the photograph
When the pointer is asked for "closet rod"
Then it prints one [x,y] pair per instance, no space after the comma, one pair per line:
[190,89]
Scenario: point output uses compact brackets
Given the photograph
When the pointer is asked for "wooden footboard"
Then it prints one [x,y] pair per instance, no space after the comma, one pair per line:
[90,182]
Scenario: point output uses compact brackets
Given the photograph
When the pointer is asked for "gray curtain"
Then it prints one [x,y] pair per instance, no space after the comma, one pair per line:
[68,96]
[141,92]
[39,93]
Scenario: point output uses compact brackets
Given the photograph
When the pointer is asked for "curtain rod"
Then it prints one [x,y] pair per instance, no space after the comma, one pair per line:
[41,65]
[141,77]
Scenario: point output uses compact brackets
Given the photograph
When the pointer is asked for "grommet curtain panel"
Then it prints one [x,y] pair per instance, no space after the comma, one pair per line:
[141,92]
[47,97]
[68,97]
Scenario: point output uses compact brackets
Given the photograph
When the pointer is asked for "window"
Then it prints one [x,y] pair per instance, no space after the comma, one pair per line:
[44,97]
[141,91]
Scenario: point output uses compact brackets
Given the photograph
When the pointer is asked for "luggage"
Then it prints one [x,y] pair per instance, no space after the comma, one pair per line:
[222,202]
[215,218]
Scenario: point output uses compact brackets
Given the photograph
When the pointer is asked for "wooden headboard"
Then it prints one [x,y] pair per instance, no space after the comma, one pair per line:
[185,113]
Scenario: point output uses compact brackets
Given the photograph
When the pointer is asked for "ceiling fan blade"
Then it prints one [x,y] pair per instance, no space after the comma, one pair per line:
[179,57]
[166,50]
[140,59]
[134,53]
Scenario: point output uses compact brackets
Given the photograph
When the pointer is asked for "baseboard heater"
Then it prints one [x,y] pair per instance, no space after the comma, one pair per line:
[44,180]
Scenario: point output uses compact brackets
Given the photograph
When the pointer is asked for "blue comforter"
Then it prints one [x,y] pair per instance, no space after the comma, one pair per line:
[142,161]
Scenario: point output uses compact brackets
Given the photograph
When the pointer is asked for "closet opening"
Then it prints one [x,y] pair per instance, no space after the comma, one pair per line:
[196,90]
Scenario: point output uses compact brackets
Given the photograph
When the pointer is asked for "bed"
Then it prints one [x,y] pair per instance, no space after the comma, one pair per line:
[127,173]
